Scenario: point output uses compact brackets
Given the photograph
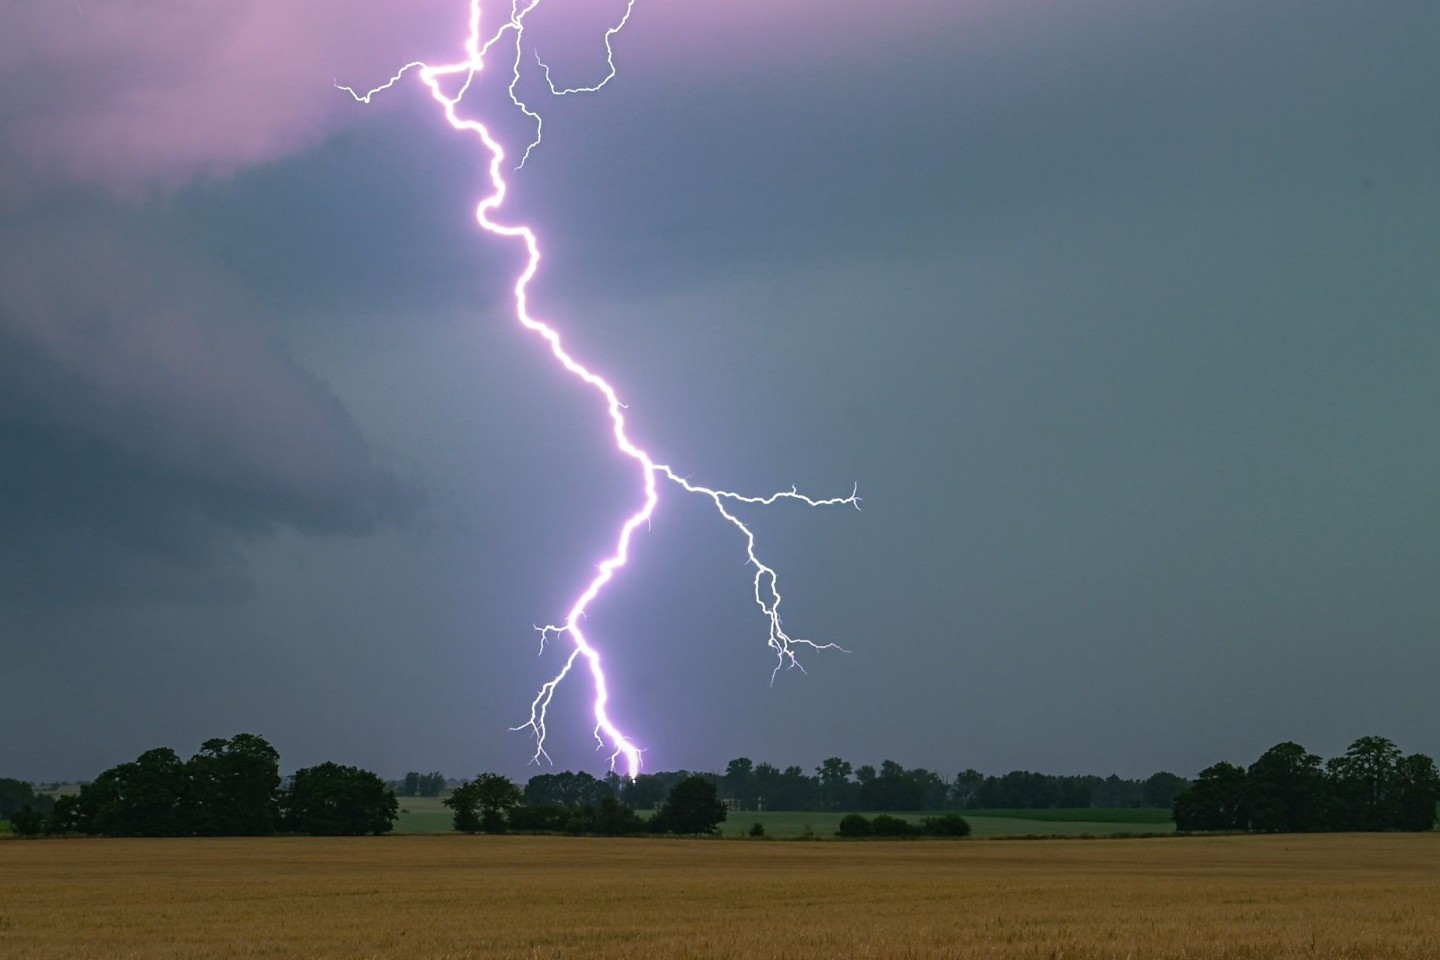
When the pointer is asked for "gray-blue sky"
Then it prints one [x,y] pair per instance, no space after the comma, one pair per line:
[1122,318]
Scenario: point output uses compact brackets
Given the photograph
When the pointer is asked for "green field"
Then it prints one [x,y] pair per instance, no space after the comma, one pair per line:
[1133,815]
[423,815]
[426,815]
[983,823]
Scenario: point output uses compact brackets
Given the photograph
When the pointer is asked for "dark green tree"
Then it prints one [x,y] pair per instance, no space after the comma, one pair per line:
[1017,790]
[27,822]
[482,804]
[739,782]
[1161,789]
[693,807]
[565,789]
[895,788]
[16,795]
[233,787]
[933,788]
[611,818]
[1365,786]
[410,786]
[332,800]
[648,790]
[1417,793]
[147,797]
[769,793]
[853,825]
[1215,801]
[949,825]
[64,816]
[1287,791]
[837,791]
[885,825]
[965,788]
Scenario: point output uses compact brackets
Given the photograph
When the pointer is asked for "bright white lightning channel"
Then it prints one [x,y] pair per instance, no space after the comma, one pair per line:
[461,75]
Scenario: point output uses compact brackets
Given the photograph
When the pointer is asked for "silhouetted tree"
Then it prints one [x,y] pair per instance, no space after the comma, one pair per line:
[143,798]
[332,800]
[233,784]
[16,795]
[648,790]
[565,789]
[885,825]
[1417,793]
[950,825]
[693,806]
[1161,789]
[1215,801]
[965,787]
[739,782]
[893,789]
[1365,786]
[836,790]
[1017,790]
[483,803]
[27,821]
[64,816]
[1287,791]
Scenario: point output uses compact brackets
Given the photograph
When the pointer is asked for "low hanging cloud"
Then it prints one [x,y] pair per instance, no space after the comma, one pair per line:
[149,426]
[146,423]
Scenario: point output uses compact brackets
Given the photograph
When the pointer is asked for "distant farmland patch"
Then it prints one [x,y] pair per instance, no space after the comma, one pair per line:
[427,815]
[983,823]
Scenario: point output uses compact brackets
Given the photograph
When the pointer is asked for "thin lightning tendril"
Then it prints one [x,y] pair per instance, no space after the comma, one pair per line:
[767,594]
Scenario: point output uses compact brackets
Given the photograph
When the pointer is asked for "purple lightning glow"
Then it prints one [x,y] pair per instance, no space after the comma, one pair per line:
[767,594]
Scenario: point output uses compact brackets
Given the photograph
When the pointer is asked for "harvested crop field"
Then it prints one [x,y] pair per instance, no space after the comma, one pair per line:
[477,897]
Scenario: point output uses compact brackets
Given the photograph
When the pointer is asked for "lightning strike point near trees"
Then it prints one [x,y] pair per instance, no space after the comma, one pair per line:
[509,39]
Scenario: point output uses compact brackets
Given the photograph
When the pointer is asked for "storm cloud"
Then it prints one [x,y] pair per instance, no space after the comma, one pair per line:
[147,419]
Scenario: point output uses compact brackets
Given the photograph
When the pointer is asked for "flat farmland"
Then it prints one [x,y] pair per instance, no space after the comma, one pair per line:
[983,823]
[1333,896]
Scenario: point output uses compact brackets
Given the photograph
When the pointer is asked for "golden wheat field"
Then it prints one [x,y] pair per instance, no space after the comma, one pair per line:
[481,897]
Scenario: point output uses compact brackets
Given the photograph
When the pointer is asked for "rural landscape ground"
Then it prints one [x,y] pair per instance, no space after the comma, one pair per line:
[428,815]
[1326,896]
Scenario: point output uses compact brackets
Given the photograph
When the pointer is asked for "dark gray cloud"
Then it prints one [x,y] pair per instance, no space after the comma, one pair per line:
[147,422]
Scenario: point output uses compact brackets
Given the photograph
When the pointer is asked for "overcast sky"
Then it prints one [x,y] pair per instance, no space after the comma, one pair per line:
[1124,316]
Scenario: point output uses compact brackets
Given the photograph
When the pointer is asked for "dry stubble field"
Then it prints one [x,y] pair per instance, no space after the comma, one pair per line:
[474,897]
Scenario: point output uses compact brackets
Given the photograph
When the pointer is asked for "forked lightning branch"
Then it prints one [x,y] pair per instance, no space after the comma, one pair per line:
[448,84]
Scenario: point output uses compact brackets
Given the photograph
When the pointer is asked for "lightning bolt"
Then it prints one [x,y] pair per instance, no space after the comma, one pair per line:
[650,472]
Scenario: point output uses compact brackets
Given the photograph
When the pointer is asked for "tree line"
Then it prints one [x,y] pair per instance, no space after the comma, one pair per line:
[416,784]
[1373,786]
[230,788]
[578,803]
[839,786]
[234,788]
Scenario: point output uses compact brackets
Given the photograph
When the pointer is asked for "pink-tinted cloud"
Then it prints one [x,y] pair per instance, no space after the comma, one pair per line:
[138,94]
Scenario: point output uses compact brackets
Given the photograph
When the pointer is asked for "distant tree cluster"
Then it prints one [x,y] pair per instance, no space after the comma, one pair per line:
[577,803]
[418,784]
[231,788]
[855,826]
[1373,786]
[836,785]
[18,799]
